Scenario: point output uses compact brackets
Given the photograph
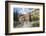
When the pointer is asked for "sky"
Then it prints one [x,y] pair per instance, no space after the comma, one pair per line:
[23,10]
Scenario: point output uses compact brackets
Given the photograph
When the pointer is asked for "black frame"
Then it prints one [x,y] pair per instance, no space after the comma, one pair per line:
[6,18]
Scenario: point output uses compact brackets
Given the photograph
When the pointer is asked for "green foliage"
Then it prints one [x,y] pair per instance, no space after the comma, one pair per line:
[36,24]
[16,16]
[35,17]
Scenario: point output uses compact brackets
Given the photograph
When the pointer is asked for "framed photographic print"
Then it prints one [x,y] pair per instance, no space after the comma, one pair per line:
[24,17]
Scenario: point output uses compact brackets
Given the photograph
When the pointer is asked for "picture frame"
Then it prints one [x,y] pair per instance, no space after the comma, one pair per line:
[24,7]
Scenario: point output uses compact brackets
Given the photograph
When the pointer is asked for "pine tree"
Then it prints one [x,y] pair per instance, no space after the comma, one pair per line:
[16,16]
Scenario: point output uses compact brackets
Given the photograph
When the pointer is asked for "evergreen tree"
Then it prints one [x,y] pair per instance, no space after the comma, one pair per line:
[16,18]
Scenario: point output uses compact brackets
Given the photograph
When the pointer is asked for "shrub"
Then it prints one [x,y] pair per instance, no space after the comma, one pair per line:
[36,24]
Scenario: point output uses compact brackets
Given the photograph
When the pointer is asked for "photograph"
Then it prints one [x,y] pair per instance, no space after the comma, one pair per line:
[26,17]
